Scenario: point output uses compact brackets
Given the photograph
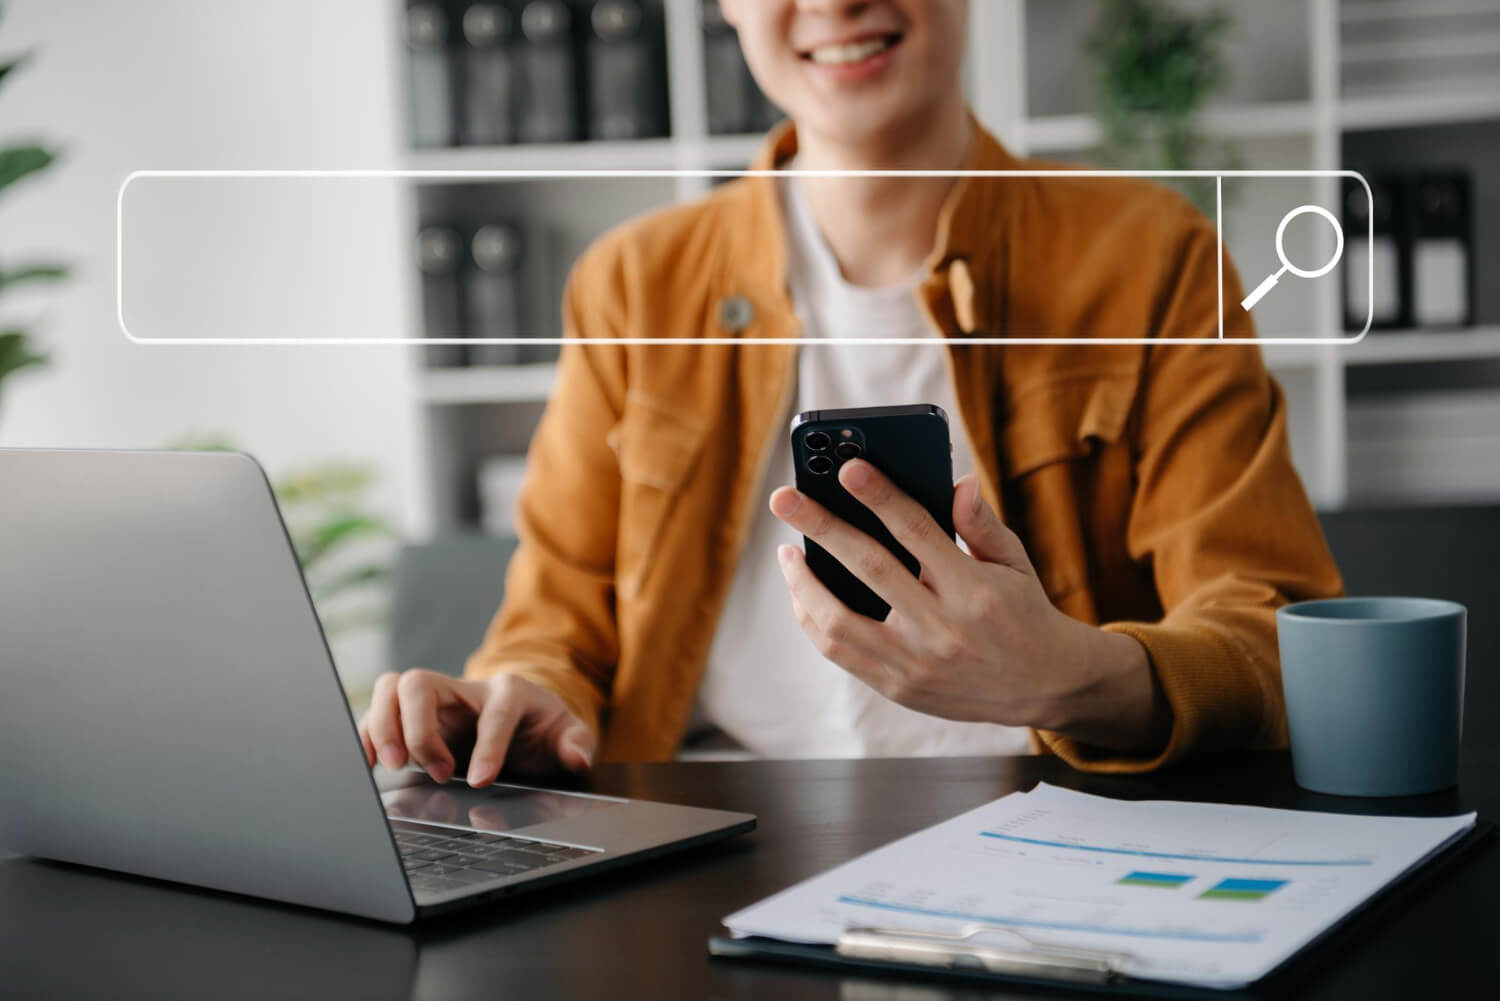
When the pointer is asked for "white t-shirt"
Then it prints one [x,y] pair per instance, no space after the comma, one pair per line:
[766,685]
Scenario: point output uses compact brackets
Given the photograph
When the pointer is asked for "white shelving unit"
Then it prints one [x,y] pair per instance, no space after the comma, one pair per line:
[1297,131]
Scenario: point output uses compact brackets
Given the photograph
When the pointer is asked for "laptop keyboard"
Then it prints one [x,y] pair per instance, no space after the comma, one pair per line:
[440,859]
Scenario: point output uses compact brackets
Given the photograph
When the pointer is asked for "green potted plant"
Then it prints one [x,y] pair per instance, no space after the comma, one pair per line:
[18,161]
[1154,70]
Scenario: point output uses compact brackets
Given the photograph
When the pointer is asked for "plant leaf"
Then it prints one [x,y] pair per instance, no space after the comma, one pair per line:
[13,64]
[32,273]
[349,580]
[325,484]
[16,353]
[336,625]
[203,443]
[18,161]
[315,544]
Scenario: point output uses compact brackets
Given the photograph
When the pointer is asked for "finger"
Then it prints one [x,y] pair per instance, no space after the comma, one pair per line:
[986,535]
[419,721]
[365,742]
[383,723]
[498,720]
[828,622]
[861,555]
[906,519]
[488,817]
[862,666]
[576,746]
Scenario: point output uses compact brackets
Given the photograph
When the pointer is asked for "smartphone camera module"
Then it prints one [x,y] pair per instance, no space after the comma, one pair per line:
[817,441]
[848,450]
[820,464]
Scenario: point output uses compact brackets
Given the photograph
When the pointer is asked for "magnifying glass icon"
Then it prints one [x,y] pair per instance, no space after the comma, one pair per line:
[1270,281]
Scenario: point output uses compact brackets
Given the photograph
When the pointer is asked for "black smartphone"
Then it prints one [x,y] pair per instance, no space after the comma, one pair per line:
[910,445]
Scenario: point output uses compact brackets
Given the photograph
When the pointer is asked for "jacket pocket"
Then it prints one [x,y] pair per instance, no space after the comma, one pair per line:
[1067,473]
[658,447]
[1064,419]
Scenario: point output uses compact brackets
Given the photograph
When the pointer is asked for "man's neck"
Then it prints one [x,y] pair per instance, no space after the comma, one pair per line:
[881,229]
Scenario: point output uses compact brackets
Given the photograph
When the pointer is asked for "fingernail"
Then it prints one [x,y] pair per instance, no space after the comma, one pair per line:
[784,555]
[856,473]
[974,499]
[786,502]
[478,768]
[390,754]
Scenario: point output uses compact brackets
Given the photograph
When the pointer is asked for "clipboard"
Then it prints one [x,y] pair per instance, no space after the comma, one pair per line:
[886,953]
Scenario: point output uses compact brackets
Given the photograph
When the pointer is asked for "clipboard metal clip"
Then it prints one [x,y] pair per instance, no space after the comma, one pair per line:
[957,950]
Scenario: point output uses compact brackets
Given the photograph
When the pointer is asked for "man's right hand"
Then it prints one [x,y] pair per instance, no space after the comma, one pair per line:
[424,717]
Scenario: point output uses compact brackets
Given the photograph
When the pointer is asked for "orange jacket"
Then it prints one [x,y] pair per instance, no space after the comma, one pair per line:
[1152,484]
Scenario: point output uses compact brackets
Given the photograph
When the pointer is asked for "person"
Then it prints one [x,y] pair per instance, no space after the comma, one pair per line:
[1129,513]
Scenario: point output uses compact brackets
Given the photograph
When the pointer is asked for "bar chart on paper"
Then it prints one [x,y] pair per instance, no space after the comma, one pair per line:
[1196,893]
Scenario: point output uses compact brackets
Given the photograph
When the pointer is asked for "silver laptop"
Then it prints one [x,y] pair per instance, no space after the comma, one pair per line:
[169,708]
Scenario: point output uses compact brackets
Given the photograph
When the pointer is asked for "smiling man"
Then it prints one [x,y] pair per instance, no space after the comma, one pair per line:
[1130,514]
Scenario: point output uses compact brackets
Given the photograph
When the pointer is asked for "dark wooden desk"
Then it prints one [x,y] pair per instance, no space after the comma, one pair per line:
[67,932]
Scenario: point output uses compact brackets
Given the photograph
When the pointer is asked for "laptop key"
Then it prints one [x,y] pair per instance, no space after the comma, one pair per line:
[430,855]
[506,868]
[435,884]
[462,860]
[564,853]
[534,847]
[529,859]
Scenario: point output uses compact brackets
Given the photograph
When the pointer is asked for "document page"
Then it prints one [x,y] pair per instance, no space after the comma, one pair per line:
[1198,893]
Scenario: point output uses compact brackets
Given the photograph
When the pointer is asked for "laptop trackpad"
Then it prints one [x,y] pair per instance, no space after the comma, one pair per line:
[499,808]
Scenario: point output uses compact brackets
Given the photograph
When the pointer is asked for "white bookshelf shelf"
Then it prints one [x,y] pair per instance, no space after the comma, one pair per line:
[533,383]
[1392,348]
[1067,133]
[636,154]
[1478,103]
[487,384]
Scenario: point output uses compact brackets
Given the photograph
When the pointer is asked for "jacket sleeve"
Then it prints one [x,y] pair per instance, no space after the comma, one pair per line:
[556,626]
[1221,518]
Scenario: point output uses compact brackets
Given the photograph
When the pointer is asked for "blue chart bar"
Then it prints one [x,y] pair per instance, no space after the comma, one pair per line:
[1172,855]
[1160,880]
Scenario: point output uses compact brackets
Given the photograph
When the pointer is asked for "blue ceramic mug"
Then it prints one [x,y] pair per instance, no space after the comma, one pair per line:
[1374,693]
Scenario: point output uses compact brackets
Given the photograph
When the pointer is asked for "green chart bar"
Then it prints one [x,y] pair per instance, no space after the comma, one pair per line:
[1242,889]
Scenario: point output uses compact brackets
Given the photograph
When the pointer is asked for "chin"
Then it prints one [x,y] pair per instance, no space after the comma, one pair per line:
[857,123]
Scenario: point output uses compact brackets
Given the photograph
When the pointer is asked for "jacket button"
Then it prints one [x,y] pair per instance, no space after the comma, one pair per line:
[735,313]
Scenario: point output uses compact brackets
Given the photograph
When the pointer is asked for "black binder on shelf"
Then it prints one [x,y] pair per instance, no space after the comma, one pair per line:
[627,89]
[493,293]
[439,261]
[1442,249]
[426,30]
[736,104]
[548,78]
[887,953]
[489,72]
[1383,261]
[728,84]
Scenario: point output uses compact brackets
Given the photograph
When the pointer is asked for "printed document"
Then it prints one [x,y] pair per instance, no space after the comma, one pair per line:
[1198,893]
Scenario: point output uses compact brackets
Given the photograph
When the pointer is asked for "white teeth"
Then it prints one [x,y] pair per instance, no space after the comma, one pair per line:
[838,55]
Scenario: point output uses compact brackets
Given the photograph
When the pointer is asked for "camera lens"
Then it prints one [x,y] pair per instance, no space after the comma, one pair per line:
[848,450]
[820,464]
[817,441]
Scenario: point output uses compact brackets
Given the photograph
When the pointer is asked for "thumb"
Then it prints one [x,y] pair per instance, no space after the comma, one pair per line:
[982,530]
[576,745]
